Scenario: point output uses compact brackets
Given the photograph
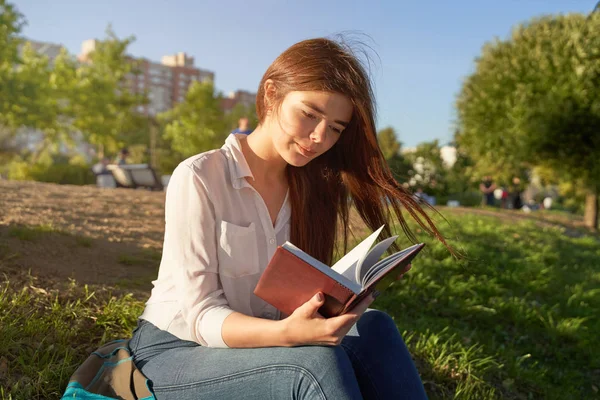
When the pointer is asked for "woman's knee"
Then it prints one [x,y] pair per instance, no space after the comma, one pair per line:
[376,321]
[320,359]
[325,369]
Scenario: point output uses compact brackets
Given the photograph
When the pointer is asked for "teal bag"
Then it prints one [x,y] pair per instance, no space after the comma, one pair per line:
[109,373]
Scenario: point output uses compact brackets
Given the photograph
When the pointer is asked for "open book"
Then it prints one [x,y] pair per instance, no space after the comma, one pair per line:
[293,277]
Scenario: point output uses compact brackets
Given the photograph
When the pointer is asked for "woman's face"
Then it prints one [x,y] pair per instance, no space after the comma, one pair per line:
[310,123]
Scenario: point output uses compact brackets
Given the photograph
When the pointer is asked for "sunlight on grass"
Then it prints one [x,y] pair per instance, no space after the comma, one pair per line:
[517,319]
[526,297]
[44,335]
[453,370]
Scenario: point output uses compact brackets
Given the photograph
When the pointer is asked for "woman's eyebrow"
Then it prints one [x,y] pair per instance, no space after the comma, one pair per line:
[317,109]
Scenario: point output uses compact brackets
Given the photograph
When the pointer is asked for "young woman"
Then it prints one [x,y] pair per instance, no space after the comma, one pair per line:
[203,333]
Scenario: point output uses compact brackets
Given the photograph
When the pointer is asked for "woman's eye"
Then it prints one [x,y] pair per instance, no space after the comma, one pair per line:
[336,130]
[309,115]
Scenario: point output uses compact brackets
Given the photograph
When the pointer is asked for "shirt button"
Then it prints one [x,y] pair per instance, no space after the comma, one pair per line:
[272,241]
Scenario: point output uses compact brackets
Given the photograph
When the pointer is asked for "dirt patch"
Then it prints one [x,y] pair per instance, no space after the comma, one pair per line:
[115,215]
[95,236]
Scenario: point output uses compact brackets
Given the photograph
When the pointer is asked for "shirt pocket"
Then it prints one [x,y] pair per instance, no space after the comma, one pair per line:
[238,252]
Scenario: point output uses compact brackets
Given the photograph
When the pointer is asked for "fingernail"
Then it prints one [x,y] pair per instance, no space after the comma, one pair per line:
[319,296]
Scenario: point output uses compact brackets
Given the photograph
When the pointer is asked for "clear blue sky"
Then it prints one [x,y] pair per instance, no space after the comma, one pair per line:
[425,47]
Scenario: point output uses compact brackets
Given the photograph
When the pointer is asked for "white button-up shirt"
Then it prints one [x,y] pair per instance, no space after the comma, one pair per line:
[219,239]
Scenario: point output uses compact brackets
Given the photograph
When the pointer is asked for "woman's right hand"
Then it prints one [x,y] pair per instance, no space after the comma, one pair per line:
[307,327]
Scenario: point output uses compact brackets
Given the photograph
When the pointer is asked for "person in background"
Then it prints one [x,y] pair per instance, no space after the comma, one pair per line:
[504,198]
[515,194]
[104,178]
[487,187]
[421,196]
[243,127]
[122,157]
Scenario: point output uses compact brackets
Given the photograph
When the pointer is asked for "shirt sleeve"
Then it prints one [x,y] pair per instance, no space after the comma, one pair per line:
[191,247]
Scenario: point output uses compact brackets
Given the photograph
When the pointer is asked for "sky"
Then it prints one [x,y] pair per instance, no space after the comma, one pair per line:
[421,50]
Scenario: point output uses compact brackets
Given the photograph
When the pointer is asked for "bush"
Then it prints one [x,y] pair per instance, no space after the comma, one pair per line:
[75,172]
[64,174]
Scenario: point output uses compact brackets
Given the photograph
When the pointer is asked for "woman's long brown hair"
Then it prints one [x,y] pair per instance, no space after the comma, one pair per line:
[354,170]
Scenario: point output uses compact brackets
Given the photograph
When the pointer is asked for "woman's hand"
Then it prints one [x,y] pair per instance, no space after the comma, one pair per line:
[307,327]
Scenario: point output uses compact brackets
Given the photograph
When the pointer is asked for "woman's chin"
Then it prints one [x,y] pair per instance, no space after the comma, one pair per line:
[297,160]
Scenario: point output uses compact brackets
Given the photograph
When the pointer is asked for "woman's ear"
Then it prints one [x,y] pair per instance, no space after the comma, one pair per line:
[270,94]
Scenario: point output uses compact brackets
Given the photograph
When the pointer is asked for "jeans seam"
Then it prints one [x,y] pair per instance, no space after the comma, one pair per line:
[238,375]
[351,353]
[138,337]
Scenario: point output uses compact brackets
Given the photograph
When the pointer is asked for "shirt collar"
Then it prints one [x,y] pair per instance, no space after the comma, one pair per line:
[238,166]
[239,171]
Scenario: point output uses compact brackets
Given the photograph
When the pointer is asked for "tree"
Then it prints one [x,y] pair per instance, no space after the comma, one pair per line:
[11,23]
[29,95]
[197,124]
[428,171]
[103,107]
[388,142]
[534,100]
[390,147]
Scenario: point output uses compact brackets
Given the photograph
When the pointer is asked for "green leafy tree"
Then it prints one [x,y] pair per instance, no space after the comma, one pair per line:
[33,93]
[12,111]
[197,124]
[390,147]
[11,23]
[103,107]
[534,100]
[388,142]
[459,177]
[428,170]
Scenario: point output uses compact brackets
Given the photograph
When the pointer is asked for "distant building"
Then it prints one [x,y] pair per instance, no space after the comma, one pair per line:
[50,50]
[166,82]
[243,97]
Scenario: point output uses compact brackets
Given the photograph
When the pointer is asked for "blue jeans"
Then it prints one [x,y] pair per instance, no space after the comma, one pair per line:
[372,363]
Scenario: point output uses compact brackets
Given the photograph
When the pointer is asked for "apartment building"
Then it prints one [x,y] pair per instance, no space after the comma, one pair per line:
[166,83]
[244,97]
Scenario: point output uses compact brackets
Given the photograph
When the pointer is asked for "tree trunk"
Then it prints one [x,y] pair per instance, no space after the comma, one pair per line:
[153,130]
[590,217]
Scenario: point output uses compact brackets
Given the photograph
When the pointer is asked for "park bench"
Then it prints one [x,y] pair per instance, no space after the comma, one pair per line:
[133,176]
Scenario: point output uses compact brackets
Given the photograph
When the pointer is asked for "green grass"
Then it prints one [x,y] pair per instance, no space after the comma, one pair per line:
[45,335]
[518,320]
[32,233]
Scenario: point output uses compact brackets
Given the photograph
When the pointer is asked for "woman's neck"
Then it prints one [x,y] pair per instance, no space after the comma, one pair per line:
[266,164]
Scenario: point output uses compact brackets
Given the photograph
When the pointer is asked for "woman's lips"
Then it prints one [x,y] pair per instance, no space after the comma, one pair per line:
[305,152]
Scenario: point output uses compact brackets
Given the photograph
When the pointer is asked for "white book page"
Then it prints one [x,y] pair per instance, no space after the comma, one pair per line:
[372,257]
[385,264]
[346,266]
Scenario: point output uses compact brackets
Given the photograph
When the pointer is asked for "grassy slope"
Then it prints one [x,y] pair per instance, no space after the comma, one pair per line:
[515,321]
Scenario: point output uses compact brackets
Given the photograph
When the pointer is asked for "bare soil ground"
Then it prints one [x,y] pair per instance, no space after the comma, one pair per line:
[96,236]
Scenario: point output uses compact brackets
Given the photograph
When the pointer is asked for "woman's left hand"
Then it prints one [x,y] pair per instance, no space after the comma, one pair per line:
[405,270]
